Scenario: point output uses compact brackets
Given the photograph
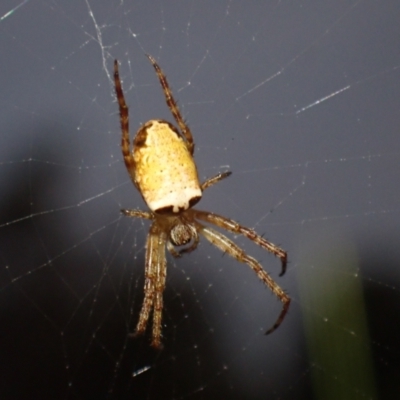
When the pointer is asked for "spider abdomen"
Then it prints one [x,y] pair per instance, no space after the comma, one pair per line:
[165,172]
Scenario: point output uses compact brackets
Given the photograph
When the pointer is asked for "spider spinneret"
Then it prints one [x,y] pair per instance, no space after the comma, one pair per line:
[162,168]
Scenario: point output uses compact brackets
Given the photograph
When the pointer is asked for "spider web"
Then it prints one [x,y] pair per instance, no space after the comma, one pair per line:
[300,100]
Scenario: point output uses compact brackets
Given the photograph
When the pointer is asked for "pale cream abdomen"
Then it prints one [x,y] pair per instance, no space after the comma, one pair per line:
[165,172]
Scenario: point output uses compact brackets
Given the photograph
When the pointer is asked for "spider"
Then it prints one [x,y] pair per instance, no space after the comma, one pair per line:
[162,168]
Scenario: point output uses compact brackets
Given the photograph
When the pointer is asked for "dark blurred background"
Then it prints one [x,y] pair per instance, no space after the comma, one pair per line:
[300,100]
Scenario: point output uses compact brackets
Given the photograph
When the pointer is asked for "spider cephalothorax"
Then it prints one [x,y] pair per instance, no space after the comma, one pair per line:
[182,233]
[162,168]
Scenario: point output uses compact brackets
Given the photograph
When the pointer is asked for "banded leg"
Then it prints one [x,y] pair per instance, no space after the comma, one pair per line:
[213,180]
[150,276]
[234,227]
[124,119]
[161,273]
[137,214]
[169,98]
[231,248]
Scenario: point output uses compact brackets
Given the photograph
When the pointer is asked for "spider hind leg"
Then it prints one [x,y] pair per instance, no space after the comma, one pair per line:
[228,246]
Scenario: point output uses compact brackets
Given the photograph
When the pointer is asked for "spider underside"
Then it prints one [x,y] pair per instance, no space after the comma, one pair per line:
[154,169]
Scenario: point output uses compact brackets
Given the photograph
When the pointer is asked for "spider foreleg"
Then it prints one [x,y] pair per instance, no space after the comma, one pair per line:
[213,180]
[124,120]
[228,246]
[169,98]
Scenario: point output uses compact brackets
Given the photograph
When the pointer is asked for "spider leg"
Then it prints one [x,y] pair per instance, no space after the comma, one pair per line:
[137,214]
[234,227]
[155,274]
[172,105]
[213,180]
[228,246]
[161,273]
[124,119]
[153,264]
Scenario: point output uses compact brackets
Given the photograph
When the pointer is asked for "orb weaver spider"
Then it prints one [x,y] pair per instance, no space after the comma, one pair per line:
[162,168]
